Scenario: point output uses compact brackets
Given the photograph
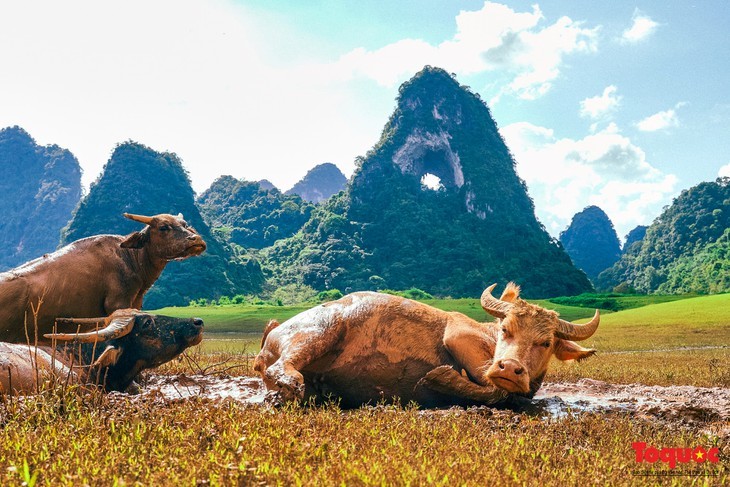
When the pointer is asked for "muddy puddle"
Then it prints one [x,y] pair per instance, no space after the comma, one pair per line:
[675,404]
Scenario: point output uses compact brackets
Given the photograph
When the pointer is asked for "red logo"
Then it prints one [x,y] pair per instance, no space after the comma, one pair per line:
[672,456]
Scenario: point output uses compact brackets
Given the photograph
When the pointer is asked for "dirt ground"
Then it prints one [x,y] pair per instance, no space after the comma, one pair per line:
[688,405]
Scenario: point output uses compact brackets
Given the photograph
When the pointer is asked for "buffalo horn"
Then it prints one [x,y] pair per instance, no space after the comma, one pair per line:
[117,325]
[147,220]
[571,331]
[494,306]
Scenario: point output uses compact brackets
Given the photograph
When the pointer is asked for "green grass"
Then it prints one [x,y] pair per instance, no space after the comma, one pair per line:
[245,318]
[616,302]
[693,322]
[236,318]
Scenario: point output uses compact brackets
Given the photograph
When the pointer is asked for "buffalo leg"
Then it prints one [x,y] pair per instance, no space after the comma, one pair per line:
[446,380]
[285,374]
[471,352]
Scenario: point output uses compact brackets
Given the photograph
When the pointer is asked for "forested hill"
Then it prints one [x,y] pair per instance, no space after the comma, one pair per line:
[250,215]
[635,236]
[591,241]
[320,183]
[136,179]
[436,204]
[684,250]
[40,187]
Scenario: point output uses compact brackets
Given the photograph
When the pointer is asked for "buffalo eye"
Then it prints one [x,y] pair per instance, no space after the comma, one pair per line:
[148,322]
[164,228]
[545,344]
[506,333]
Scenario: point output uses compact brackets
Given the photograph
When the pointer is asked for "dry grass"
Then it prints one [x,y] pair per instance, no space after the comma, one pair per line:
[702,368]
[67,439]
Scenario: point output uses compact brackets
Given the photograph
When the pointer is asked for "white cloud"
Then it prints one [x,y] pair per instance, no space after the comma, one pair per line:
[724,171]
[605,169]
[601,105]
[660,120]
[493,39]
[642,27]
[196,78]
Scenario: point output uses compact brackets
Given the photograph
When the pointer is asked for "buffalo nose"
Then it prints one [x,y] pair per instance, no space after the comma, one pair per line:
[198,322]
[512,366]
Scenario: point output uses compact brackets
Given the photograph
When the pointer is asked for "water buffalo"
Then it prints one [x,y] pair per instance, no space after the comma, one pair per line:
[91,277]
[369,347]
[130,341]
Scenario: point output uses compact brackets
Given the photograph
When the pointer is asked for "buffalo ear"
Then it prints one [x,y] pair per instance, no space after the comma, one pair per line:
[567,350]
[511,293]
[108,357]
[136,240]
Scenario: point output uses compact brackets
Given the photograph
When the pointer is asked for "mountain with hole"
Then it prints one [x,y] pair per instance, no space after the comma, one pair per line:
[40,187]
[436,204]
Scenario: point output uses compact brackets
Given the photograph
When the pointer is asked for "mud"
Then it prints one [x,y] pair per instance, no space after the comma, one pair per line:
[675,404]
[686,404]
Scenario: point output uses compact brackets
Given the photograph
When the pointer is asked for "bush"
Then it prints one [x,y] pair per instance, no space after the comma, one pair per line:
[293,294]
[413,293]
[329,295]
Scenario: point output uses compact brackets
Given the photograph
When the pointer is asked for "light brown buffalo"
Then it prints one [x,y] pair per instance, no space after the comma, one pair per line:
[91,277]
[369,347]
[130,341]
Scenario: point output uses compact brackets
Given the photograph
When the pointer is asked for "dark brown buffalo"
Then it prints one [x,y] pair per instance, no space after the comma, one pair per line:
[129,342]
[368,347]
[94,276]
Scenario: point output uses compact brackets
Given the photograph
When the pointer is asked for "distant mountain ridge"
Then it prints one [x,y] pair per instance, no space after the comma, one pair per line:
[250,215]
[684,250]
[137,179]
[320,183]
[591,241]
[40,187]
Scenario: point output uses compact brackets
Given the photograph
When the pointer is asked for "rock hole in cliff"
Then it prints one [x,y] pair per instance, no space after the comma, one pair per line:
[431,181]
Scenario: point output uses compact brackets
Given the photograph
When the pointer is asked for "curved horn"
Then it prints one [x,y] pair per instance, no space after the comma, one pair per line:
[494,306]
[571,331]
[80,321]
[147,220]
[116,327]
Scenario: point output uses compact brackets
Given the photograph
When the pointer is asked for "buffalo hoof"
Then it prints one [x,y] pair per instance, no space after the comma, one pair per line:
[133,388]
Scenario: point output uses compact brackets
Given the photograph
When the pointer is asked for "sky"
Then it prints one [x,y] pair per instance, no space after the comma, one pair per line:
[617,104]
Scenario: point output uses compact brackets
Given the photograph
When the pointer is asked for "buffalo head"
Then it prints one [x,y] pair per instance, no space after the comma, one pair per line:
[129,341]
[166,237]
[528,337]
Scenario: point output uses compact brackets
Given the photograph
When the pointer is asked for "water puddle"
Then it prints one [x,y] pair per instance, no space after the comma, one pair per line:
[675,404]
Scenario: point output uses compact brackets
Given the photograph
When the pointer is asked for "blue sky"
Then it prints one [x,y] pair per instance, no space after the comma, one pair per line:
[619,104]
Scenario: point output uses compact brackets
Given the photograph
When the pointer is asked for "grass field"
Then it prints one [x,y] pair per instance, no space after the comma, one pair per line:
[64,437]
[244,318]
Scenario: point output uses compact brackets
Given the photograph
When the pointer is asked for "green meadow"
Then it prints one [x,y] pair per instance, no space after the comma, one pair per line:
[658,340]
[651,323]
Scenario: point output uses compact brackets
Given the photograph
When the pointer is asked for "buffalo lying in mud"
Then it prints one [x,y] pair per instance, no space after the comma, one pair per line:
[129,342]
[369,347]
[92,277]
